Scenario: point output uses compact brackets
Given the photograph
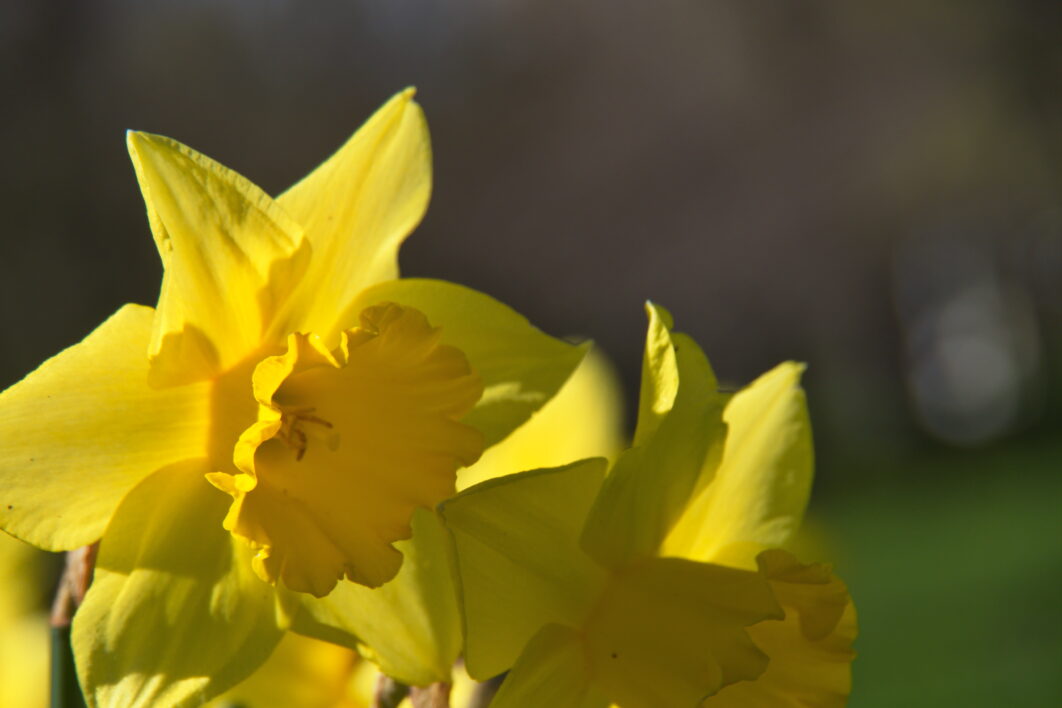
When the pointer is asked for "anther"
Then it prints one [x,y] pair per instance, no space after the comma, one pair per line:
[294,436]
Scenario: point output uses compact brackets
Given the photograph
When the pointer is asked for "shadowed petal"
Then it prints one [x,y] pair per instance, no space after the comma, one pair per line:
[410,626]
[551,671]
[174,615]
[518,561]
[669,632]
[810,650]
[301,673]
[648,488]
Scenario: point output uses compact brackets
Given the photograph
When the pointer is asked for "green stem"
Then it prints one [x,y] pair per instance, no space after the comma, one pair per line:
[66,692]
[389,693]
[74,583]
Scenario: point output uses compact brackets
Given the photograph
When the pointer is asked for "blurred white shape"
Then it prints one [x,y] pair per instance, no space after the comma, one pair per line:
[973,342]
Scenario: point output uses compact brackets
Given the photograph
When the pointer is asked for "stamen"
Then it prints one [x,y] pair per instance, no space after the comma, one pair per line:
[293,435]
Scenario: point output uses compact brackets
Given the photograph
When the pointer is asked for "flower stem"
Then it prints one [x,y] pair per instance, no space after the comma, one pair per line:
[74,583]
[389,693]
[436,695]
[65,691]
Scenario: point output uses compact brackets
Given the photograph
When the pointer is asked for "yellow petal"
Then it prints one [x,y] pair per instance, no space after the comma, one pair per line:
[409,627]
[26,570]
[761,487]
[521,367]
[650,484]
[84,428]
[301,673]
[358,207]
[551,671]
[174,615]
[584,419]
[518,562]
[810,650]
[24,660]
[231,259]
[348,444]
[23,624]
[660,376]
[669,632]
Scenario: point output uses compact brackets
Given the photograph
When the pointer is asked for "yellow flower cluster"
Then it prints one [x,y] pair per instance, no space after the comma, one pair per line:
[295,441]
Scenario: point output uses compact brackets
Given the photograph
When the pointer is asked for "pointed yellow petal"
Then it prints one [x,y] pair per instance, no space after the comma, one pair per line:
[810,650]
[231,259]
[174,615]
[761,488]
[358,207]
[518,561]
[409,627]
[347,445]
[551,671]
[650,484]
[84,428]
[521,367]
[660,376]
[669,632]
[584,419]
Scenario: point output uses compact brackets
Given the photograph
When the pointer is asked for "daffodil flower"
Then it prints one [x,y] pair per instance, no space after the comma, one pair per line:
[660,584]
[269,429]
[410,628]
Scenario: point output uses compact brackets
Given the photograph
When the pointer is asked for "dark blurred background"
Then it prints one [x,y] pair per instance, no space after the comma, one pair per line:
[872,188]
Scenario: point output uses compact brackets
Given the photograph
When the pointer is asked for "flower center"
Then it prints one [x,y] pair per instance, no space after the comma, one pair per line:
[346,444]
[294,433]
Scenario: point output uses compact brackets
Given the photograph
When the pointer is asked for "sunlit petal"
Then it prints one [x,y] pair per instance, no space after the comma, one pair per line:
[357,208]
[521,367]
[347,444]
[584,419]
[660,375]
[761,487]
[84,428]
[650,484]
[231,258]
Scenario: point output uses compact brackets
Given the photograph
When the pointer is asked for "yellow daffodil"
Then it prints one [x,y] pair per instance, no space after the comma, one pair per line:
[269,429]
[410,628]
[659,584]
[307,673]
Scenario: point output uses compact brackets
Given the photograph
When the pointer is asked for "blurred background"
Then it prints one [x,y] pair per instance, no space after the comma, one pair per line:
[872,188]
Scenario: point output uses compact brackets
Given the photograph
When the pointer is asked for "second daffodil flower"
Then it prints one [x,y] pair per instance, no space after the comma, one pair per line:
[270,427]
[662,583]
